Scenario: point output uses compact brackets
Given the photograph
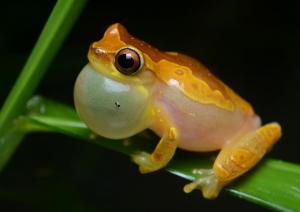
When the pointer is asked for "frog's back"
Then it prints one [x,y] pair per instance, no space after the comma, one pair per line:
[181,71]
[194,80]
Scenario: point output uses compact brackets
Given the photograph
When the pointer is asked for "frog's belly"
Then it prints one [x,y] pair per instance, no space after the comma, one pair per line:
[203,127]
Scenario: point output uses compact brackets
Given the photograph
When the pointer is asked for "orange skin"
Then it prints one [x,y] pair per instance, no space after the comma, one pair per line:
[196,81]
[181,101]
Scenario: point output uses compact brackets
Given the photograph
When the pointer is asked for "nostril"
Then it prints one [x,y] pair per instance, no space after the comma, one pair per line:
[98,51]
[95,49]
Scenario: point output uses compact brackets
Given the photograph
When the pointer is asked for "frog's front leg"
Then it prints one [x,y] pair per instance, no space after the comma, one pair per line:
[235,159]
[162,154]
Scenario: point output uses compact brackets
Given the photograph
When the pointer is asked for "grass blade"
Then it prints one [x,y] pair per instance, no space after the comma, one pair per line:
[273,184]
[54,33]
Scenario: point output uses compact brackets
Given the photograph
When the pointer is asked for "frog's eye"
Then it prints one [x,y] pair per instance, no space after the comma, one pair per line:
[128,61]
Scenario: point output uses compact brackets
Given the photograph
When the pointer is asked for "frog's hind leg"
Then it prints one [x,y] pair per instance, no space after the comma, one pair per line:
[235,159]
[161,156]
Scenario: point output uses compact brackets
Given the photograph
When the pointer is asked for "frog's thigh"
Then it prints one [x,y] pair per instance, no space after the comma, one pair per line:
[162,154]
[238,157]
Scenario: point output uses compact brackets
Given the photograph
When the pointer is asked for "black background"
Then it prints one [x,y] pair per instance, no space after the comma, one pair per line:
[253,46]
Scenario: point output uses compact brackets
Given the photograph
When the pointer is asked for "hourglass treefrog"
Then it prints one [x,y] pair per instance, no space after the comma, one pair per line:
[129,86]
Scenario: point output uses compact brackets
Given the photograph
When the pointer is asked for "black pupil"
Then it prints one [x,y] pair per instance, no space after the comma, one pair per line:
[125,60]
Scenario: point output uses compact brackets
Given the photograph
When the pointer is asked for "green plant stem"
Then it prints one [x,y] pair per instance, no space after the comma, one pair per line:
[54,33]
[273,183]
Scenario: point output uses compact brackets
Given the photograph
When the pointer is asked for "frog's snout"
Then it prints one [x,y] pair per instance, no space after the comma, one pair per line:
[97,54]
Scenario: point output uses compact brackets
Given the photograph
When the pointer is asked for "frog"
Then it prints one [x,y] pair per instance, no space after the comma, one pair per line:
[129,86]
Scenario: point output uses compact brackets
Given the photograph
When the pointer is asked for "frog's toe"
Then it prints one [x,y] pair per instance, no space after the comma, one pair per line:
[143,159]
[209,185]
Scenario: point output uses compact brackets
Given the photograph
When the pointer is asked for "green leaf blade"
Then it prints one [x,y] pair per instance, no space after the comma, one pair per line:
[48,44]
[58,26]
[273,183]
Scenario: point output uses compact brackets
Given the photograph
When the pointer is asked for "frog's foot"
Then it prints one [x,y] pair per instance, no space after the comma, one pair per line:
[161,155]
[145,163]
[207,183]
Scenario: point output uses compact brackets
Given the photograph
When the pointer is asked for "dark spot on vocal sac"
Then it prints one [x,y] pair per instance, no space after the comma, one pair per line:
[117,104]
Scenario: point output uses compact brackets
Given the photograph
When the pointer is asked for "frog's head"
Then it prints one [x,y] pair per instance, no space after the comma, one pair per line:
[112,93]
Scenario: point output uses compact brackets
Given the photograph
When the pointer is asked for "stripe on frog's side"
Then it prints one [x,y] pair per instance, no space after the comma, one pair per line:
[196,89]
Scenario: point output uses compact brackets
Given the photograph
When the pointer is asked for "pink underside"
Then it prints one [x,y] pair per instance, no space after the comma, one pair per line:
[202,127]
